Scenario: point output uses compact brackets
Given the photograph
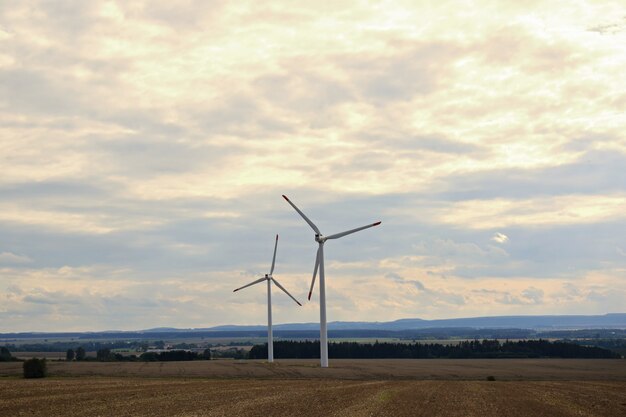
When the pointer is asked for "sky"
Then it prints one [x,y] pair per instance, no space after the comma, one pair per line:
[145,146]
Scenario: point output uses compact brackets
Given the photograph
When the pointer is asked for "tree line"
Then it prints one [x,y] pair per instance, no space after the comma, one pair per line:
[463,350]
[106,355]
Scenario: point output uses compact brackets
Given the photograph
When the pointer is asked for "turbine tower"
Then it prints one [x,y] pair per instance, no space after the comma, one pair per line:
[269,278]
[319,264]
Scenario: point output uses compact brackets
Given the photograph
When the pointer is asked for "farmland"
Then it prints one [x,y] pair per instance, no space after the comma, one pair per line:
[550,387]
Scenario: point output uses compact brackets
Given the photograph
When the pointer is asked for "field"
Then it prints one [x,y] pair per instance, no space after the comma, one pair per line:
[546,387]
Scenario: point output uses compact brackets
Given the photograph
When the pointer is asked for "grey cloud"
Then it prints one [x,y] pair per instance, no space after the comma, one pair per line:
[571,288]
[12,258]
[142,121]
[514,45]
[530,296]
[403,74]
[535,295]
[364,161]
[32,92]
[428,294]
[39,300]
[439,144]
[146,156]
[301,90]
[399,280]
[594,172]
[418,284]
[611,299]
[69,19]
[463,254]
[42,190]
[415,145]
[52,298]
[569,292]
[239,115]
[137,302]
[612,28]
[183,15]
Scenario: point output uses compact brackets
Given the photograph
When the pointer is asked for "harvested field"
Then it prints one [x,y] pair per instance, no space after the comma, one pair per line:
[199,397]
[365,369]
[47,355]
[546,387]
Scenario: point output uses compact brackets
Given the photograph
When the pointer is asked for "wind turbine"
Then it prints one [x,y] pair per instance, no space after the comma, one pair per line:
[269,278]
[319,264]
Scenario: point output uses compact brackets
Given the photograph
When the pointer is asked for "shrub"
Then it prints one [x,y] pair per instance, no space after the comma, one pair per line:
[35,368]
[5,355]
[491,378]
[80,353]
[104,355]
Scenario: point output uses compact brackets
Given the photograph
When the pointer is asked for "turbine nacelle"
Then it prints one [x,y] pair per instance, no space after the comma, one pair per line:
[320,238]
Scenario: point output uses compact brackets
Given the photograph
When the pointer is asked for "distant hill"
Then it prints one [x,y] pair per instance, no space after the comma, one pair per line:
[616,320]
[474,327]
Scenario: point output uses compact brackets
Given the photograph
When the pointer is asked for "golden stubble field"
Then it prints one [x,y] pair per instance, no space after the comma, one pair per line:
[547,387]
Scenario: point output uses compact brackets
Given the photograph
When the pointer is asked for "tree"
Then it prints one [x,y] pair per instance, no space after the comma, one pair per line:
[80,354]
[103,354]
[5,355]
[69,355]
[206,354]
[35,368]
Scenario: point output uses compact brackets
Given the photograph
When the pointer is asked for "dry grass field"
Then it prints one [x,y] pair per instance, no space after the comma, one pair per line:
[366,369]
[545,387]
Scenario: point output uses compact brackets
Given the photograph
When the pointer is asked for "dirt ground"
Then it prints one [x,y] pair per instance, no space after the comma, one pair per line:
[179,397]
[366,369]
[547,387]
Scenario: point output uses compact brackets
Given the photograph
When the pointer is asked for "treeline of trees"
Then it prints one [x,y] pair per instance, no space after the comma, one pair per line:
[231,353]
[106,355]
[616,345]
[137,345]
[466,349]
[585,334]
[175,355]
[64,346]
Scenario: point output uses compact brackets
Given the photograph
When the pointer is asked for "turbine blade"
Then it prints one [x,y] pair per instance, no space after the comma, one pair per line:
[252,283]
[347,232]
[286,292]
[274,258]
[306,219]
[317,264]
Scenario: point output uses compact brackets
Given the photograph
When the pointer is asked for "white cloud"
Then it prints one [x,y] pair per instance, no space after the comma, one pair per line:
[500,238]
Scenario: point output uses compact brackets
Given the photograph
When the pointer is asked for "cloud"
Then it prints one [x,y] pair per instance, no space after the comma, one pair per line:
[500,238]
[432,296]
[11,258]
[145,148]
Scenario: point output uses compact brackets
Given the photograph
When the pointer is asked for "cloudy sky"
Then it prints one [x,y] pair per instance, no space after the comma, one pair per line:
[144,148]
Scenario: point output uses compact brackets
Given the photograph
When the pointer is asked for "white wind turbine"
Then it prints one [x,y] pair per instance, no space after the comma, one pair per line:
[269,278]
[319,264]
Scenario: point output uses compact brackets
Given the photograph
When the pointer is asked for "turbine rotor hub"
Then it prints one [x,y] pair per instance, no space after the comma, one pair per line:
[320,238]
